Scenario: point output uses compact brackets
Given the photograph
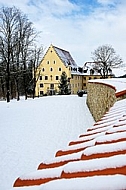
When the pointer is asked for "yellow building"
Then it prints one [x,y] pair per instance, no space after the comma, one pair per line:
[54,62]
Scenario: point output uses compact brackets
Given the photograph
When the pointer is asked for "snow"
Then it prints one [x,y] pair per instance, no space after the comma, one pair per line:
[32,131]
[105,148]
[109,119]
[44,173]
[64,158]
[115,182]
[90,137]
[95,164]
[98,130]
[118,83]
[78,166]
[111,137]
[120,123]
[105,124]
[79,146]
[117,129]
[65,56]
[119,71]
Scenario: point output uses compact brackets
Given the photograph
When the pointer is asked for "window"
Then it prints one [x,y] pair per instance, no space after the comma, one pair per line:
[40,77]
[54,62]
[43,69]
[41,85]
[51,69]
[84,84]
[85,71]
[59,69]
[57,77]
[41,93]
[72,76]
[46,77]
[51,77]
[51,86]
[89,78]
[84,78]
[47,62]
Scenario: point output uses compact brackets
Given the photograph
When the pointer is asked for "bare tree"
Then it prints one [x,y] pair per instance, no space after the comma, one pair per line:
[17,39]
[105,58]
[27,38]
[8,22]
[37,53]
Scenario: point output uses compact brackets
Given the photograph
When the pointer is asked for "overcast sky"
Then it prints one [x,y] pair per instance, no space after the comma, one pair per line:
[79,26]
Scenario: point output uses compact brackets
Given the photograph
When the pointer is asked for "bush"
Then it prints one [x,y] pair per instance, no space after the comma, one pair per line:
[81,92]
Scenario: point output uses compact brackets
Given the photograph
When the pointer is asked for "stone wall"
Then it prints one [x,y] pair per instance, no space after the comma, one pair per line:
[100,97]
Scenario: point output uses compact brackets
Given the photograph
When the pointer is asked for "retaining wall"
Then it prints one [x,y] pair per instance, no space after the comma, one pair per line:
[100,97]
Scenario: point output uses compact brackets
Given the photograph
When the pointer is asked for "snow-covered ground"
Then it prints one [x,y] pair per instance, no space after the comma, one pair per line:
[32,131]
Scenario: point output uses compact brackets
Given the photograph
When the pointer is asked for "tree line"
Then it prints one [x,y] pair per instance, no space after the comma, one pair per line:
[19,54]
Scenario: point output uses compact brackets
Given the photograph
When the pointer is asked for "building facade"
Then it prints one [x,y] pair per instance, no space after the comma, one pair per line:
[48,73]
[54,62]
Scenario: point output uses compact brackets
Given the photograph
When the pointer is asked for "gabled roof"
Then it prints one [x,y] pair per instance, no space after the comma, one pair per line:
[65,57]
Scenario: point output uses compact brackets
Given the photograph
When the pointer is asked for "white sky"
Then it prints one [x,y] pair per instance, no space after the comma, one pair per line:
[77,26]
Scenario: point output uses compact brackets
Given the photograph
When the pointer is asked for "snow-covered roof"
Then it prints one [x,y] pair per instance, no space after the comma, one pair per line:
[65,56]
[97,155]
[117,72]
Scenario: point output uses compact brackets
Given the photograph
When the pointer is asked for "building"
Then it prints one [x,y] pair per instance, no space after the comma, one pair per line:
[89,73]
[54,62]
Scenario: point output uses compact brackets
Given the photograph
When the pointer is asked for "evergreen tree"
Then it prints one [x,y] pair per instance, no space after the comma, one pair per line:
[63,85]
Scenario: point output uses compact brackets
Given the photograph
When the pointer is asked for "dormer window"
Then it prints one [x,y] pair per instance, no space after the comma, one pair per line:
[85,71]
[91,71]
